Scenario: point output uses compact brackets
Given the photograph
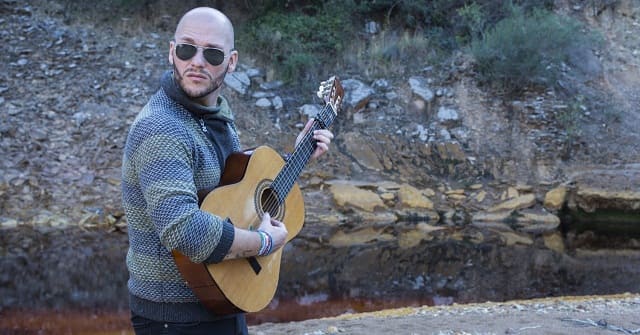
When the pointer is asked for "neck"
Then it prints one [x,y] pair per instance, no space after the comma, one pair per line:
[211,100]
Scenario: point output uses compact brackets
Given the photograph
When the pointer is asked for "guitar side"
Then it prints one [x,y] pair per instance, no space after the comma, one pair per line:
[248,284]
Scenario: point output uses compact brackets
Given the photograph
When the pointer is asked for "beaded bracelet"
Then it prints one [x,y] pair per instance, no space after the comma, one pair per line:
[266,243]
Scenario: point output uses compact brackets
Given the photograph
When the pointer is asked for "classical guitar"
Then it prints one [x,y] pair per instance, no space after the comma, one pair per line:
[250,186]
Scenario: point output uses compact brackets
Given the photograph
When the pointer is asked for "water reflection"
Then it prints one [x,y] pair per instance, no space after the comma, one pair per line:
[57,322]
[321,305]
[82,322]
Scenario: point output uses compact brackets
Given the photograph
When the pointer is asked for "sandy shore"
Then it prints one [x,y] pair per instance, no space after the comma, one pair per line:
[615,314]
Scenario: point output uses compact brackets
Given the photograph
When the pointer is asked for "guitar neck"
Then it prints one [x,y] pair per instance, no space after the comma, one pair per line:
[287,177]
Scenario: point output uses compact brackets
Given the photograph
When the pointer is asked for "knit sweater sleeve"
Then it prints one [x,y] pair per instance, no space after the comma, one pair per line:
[163,157]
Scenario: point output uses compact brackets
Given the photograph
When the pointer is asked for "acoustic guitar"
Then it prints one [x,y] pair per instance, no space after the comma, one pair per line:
[250,186]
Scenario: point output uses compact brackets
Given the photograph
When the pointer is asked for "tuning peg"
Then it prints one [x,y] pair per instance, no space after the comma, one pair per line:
[325,87]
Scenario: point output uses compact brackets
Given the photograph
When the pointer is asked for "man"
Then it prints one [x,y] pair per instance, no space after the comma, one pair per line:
[177,147]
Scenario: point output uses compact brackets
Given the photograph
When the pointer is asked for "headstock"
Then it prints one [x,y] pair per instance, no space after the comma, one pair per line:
[331,92]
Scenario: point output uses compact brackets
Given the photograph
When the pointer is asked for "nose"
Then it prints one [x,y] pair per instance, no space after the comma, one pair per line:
[198,59]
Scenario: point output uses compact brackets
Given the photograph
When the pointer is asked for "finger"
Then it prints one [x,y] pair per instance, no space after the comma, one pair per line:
[308,125]
[322,139]
[276,223]
[321,148]
[323,132]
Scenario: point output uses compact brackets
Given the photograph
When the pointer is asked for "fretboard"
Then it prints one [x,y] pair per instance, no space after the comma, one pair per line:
[287,177]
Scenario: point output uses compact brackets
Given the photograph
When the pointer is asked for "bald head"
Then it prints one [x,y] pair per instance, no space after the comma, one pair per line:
[208,24]
[199,68]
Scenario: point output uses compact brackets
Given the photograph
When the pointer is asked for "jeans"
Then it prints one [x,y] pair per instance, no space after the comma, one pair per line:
[230,326]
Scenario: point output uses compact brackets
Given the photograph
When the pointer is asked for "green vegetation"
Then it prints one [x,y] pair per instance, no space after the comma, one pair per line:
[515,46]
[525,49]
[297,43]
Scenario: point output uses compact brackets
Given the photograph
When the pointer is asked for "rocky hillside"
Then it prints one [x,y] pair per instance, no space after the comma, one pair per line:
[69,92]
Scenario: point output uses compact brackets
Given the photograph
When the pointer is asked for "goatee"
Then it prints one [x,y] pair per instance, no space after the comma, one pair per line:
[195,94]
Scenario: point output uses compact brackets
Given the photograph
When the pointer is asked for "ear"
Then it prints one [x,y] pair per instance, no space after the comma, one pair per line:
[233,60]
[171,46]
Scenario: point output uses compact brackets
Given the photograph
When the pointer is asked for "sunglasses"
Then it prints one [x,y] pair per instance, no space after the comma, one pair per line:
[186,51]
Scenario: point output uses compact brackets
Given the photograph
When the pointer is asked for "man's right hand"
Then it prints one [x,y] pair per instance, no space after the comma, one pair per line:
[276,229]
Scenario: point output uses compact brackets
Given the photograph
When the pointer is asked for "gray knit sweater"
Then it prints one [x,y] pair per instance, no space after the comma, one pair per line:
[167,159]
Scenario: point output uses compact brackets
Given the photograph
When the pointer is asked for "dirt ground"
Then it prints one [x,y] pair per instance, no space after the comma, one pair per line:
[619,314]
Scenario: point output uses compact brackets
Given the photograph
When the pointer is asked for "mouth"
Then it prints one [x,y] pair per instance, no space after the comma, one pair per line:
[196,76]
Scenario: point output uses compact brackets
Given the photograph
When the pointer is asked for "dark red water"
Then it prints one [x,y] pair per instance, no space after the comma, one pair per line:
[83,322]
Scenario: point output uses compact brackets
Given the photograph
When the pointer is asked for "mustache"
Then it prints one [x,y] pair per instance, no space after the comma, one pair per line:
[201,71]
[197,71]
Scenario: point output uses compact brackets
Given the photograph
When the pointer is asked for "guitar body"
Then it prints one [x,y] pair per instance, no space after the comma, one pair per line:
[244,284]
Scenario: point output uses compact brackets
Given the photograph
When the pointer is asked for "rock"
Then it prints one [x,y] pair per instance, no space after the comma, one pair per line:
[449,151]
[277,102]
[480,196]
[589,199]
[254,72]
[512,192]
[476,187]
[419,87]
[448,116]
[9,223]
[458,191]
[238,81]
[362,151]
[520,202]
[346,195]
[357,94]
[263,103]
[409,196]
[308,111]
[261,94]
[271,85]
[382,85]
[555,198]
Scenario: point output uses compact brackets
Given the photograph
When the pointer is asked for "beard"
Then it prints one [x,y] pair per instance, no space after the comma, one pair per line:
[199,93]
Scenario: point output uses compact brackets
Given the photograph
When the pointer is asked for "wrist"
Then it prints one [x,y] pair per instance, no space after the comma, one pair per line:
[266,243]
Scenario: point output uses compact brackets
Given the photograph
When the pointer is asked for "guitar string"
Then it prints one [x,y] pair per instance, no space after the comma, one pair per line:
[273,201]
[306,146]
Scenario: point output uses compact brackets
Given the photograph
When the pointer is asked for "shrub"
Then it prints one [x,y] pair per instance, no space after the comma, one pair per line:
[297,42]
[525,49]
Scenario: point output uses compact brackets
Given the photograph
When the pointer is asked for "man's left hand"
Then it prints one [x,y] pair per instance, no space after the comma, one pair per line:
[323,138]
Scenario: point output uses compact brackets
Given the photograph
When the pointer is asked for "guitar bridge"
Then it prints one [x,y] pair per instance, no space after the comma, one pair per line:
[253,262]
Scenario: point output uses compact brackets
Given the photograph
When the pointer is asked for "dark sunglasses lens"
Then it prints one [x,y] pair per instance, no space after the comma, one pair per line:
[185,51]
[214,56]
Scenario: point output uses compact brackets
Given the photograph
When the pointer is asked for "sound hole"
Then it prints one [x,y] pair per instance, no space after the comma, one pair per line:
[269,203]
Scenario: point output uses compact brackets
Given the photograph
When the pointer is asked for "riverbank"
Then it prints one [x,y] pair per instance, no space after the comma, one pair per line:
[614,314]
[563,315]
